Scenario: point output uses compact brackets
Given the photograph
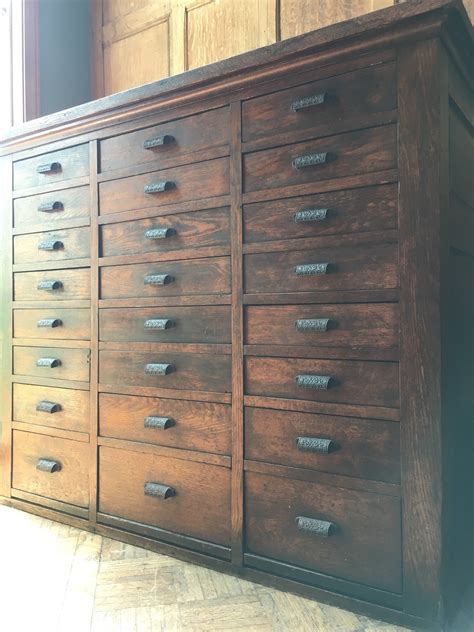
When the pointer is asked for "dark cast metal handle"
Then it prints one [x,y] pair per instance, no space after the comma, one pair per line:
[51,167]
[159,323]
[53,244]
[312,160]
[157,279]
[159,233]
[306,269]
[44,406]
[158,141]
[49,363]
[50,286]
[49,207]
[158,423]
[159,369]
[49,322]
[321,528]
[312,324]
[48,465]
[320,382]
[159,491]
[315,444]
[309,102]
[310,215]
[159,187]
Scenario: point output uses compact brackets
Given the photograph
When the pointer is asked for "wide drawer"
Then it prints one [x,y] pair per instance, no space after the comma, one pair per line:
[52,323]
[53,167]
[52,285]
[350,154]
[362,267]
[338,381]
[52,362]
[350,534]
[166,234]
[338,212]
[167,144]
[203,324]
[51,467]
[55,207]
[171,186]
[340,445]
[201,426]
[187,371]
[57,245]
[177,495]
[330,105]
[166,278]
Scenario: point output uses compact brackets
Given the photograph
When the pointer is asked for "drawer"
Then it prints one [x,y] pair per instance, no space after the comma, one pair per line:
[338,381]
[350,154]
[52,324]
[363,448]
[171,186]
[53,407]
[203,324]
[197,502]
[201,426]
[51,168]
[362,267]
[34,456]
[167,278]
[167,144]
[52,362]
[366,325]
[187,371]
[168,233]
[289,520]
[327,106]
[56,245]
[55,207]
[350,211]
[52,285]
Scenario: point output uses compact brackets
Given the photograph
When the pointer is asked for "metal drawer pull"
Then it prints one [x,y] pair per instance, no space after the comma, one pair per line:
[50,363]
[315,444]
[159,491]
[49,207]
[158,141]
[159,187]
[311,160]
[159,233]
[306,269]
[50,245]
[310,215]
[157,279]
[159,423]
[159,323]
[321,382]
[309,102]
[51,286]
[312,324]
[48,407]
[51,167]
[47,465]
[49,322]
[316,527]
[159,369]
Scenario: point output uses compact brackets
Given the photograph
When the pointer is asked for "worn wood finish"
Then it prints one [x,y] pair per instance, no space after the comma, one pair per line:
[73,364]
[75,284]
[69,324]
[66,244]
[68,204]
[68,163]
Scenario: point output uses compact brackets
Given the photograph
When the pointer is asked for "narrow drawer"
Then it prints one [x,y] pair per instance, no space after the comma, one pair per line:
[363,267]
[350,534]
[338,212]
[363,448]
[204,324]
[187,371]
[194,501]
[55,207]
[52,285]
[57,245]
[166,234]
[166,278]
[354,153]
[171,186]
[52,362]
[326,106]
[52,167]
[338,381]
[52,324]
[51,467]
[201,426]
[167,144]
[53,407]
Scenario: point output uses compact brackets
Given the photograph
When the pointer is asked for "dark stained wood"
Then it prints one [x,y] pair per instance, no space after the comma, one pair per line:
[75,245]
[75,285]
[74,363]
[74,205]
[74,325]
[74,163]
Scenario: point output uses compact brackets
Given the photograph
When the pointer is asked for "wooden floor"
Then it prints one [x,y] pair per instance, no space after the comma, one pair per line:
[58,578]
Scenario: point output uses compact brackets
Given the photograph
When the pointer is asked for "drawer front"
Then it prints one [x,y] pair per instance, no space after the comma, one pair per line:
[201,426]
[338,381]
[339,445]
[288,519]
[53,407]
[190,182]
[53,167]
[167,144]
[198,502]
[345,325]
[204,324]
[52,285]
[57,245]
[364,267]
[34,455]
[195,372]
[327,106]
[167,278]
[338,212]
[354,153]
[52,362]
[168,233]
[52,324]
[53,207]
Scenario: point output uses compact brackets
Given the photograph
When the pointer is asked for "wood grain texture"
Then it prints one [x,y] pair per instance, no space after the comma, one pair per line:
[73,243]
[73,363]
[75,284]
[74,324]
[73,205]
[73,163]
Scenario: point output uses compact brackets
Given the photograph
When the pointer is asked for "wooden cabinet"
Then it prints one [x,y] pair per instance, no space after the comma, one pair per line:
[241,314]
